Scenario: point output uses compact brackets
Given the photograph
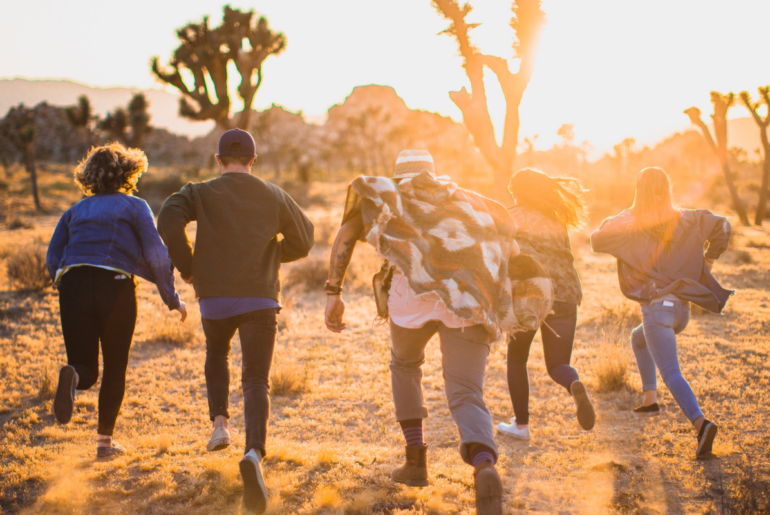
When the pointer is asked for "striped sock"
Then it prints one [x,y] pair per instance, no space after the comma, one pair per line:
[482,454]
[413,435]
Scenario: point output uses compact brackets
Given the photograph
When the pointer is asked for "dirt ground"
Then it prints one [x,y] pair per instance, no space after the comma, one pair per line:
[333,438]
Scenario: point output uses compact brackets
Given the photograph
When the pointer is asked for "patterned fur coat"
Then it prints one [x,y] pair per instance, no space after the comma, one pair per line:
[444,239]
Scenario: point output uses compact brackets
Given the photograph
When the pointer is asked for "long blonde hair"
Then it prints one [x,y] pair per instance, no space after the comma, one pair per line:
[559,198]
[654,209]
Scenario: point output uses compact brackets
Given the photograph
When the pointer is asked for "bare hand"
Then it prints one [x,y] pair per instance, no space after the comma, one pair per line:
[335,308]
[182,310]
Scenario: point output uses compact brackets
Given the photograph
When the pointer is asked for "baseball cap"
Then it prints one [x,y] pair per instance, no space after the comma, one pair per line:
[237,143]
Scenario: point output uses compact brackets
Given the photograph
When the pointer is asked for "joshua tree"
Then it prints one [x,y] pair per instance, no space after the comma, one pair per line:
[206,51]
[527,21]
[80,117]
[138,119]
[753,107]
[115,124]
[721,104]
[18,127]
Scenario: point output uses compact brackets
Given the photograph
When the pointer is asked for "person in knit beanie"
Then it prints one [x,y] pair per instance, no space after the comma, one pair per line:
[446,252]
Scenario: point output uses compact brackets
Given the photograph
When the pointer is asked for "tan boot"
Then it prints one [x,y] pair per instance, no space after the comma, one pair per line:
[415,471]
[489,490]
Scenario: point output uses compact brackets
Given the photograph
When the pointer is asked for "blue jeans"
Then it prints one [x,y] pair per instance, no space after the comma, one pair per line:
[654,344]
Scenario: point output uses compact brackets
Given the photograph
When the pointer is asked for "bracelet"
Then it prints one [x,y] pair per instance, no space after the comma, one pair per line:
[332,290]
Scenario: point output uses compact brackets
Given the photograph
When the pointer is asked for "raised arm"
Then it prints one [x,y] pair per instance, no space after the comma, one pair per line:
[342,253]
[178,210]
[59,240]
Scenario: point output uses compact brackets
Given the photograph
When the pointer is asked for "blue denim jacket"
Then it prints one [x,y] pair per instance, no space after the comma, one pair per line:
[114,230]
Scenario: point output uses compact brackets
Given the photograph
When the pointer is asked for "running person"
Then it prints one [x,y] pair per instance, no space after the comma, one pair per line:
[235,272]
[546,209]
[99,246]
[662,265]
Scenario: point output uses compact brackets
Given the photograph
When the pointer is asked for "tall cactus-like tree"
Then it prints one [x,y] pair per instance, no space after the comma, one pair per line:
[18,127]
[527,22]
[139,119]
[115,124]
[753,107]
[81,117]
[721,104]
[205,52]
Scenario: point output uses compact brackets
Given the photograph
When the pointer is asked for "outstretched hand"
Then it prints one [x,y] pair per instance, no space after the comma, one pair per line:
[182,310]
[335,308]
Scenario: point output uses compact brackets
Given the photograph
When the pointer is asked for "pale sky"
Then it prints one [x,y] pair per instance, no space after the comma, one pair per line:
[613,68]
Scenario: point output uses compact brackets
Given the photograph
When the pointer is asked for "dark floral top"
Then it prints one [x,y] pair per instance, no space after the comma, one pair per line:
[547,240]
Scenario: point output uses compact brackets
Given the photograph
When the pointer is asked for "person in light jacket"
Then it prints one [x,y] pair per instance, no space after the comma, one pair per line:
[662,265]
[98,248]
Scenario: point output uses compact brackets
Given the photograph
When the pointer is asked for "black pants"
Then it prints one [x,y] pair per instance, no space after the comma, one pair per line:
[558,333]
[257,330]
[96,307]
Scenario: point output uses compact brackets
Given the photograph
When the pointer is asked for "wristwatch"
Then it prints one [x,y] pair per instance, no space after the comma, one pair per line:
[332,290]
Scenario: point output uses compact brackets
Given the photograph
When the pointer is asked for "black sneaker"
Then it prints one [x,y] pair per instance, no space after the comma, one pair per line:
[64,401]
[706,435]
[652,409]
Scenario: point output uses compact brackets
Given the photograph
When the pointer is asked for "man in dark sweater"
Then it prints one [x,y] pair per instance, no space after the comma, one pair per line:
[235,272]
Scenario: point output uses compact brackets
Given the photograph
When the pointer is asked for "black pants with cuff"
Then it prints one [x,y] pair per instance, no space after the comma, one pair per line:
[99,305]
[558,334]
[257,330]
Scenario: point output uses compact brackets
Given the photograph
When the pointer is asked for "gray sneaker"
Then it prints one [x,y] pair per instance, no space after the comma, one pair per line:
[254,490]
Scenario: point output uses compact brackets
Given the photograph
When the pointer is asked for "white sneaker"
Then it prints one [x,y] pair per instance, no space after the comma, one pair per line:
[512,430]
[219,440]
[254,490]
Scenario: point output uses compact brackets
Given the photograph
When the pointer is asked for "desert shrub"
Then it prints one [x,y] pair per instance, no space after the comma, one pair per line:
[167,328]
[310,274]
[27,270]
[46,386]
[289,378]
[610,367]
[156,189]
[747,492]
[737,257]
[622,315]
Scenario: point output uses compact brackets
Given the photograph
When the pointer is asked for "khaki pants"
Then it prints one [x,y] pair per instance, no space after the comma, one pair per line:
[464,358]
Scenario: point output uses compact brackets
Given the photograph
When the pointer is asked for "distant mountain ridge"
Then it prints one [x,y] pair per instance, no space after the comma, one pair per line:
[164,106]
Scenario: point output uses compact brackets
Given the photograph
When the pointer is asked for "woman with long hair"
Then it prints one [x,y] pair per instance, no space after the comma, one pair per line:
[99,246]
[663,266]
[546,209]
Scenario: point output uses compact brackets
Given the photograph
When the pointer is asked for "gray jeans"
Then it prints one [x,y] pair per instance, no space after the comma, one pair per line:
[464,359]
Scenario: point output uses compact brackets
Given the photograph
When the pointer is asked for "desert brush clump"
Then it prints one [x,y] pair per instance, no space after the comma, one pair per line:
[47,382]
[26,269]
[748,491]
[611,366]
[165,327]
[289,378]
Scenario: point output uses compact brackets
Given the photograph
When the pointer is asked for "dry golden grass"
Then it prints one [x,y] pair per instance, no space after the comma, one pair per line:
[26,269]
[333,439]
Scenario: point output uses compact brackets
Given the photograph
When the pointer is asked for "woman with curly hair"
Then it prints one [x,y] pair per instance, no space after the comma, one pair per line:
[546,209]
[99,246]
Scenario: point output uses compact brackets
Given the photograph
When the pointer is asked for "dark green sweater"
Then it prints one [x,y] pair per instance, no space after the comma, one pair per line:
[237,252]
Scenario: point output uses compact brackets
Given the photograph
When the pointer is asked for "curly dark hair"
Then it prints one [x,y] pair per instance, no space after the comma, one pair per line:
[112,168]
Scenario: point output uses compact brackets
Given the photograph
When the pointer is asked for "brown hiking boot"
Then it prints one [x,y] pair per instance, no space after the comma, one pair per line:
[415,471]
[489,490]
